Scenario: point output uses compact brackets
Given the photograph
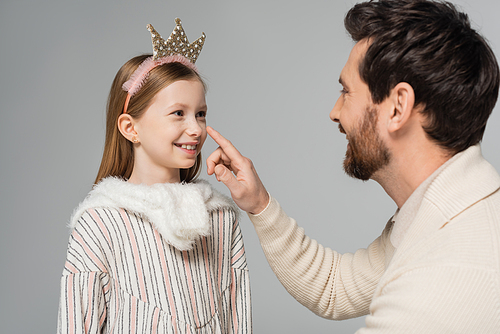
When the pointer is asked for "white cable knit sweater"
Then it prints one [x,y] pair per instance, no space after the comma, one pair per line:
[444,276]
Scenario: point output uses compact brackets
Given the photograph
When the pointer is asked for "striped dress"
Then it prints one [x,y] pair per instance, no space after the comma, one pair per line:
[124,275]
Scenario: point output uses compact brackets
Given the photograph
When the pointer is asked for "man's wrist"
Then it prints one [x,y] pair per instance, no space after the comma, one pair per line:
[263,206]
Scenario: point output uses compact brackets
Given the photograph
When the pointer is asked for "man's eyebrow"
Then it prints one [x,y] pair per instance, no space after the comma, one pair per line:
[342,82]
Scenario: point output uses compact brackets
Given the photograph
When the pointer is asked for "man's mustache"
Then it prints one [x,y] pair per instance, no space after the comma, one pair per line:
[341,129]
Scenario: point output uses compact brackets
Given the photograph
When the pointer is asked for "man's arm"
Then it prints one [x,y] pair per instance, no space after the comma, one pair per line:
[332,285]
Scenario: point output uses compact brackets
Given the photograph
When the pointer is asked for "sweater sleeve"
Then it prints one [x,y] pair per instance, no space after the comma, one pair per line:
[240,285]
[85,280]
[82,304]
[332,285]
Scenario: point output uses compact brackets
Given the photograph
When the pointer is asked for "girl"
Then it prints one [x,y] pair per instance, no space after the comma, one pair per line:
[152,249]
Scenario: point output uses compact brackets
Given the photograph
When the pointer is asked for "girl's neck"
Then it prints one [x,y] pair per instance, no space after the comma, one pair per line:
[152,176]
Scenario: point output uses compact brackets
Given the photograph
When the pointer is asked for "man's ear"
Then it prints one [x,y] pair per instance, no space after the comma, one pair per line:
[403,102]
[126,125]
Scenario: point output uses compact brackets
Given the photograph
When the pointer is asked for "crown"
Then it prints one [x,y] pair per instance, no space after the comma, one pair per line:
[176,44]
[176,49]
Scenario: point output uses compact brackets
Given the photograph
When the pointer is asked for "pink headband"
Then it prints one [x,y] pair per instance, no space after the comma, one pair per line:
[140,75]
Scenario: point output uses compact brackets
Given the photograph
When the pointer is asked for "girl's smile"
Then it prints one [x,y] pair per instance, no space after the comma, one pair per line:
[190,148]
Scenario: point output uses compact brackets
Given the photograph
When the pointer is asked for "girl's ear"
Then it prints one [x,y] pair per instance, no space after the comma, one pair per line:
[126,126]
[403,99]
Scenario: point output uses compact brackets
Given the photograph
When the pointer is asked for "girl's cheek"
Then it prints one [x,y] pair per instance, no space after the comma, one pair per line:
[203,138]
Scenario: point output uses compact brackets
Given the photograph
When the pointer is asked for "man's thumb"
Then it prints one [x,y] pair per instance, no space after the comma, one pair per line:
[224,175]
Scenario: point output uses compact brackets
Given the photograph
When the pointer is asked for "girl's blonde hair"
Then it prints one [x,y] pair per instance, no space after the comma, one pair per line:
[118,155]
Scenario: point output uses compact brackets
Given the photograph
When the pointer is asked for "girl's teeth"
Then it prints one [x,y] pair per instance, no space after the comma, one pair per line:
[189,147]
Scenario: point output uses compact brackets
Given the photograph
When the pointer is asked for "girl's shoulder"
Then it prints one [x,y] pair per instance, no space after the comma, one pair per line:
[100,197]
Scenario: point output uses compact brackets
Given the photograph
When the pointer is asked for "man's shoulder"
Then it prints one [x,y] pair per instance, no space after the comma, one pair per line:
[466,180]
[471,239]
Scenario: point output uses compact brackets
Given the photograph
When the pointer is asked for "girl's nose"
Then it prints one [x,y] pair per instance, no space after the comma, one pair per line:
[193,128]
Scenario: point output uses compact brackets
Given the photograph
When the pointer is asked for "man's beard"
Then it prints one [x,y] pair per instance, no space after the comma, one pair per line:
[366,153]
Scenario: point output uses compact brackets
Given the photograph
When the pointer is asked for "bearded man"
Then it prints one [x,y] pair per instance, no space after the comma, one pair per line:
[418,88]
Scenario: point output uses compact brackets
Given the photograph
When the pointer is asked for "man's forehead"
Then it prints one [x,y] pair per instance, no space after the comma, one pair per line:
[360,48]
[352,65]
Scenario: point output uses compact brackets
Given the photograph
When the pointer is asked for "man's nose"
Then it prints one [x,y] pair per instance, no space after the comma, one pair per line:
[335,113]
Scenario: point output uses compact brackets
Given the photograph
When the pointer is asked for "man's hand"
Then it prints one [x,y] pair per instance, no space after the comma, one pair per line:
[247,190]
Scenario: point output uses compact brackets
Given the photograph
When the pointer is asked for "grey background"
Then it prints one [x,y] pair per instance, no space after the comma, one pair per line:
[272,69]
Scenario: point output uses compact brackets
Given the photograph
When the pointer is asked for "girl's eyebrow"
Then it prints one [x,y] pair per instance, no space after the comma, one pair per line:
[184,106]
[178,105]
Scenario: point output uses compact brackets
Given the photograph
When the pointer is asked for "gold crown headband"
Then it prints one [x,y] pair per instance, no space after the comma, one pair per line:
[176,49]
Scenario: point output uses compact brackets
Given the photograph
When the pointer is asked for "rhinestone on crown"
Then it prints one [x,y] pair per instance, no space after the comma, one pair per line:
[176,44]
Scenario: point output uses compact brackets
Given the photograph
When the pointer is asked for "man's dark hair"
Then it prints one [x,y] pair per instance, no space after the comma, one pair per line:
[432,47]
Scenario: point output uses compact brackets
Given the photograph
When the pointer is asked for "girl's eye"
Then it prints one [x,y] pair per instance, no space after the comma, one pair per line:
[201,114]
[177,113]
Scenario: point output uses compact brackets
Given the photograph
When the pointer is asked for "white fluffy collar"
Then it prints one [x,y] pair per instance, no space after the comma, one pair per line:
[179,212]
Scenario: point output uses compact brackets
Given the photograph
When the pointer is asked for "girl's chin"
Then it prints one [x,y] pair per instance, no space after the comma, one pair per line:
[187,166]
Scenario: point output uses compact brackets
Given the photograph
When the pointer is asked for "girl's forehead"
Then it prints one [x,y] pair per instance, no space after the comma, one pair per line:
[182,92]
